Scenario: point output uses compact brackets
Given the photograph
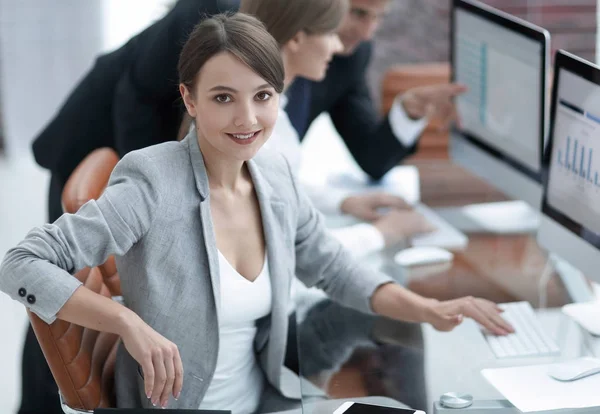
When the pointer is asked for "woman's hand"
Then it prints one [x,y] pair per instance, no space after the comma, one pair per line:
[367,206]
[398,225]
[158,357]
[446,315]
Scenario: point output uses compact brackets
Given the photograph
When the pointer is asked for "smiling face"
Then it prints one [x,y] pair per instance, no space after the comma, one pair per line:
[234,108]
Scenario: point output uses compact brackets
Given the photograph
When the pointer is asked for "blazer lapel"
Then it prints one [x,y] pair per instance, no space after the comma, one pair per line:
[273,211]
[205,215]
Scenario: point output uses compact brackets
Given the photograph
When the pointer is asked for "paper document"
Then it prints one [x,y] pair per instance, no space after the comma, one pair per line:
[530,388]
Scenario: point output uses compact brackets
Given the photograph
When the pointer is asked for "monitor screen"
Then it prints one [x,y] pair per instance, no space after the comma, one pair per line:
[573,187]
[502,61]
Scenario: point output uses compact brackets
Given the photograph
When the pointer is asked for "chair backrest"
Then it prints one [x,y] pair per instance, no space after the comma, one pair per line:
[82,360]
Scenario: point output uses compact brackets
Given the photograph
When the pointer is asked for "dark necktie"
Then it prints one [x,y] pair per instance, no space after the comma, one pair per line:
[298,105]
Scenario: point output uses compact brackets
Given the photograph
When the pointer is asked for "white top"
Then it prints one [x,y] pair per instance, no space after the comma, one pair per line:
[361,239]
[237,384]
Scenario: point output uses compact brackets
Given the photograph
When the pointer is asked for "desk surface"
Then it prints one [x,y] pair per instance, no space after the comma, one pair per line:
[348,354]
[497,267]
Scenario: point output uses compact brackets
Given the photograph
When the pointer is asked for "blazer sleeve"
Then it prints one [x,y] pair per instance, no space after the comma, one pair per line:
[323,262]
[38,272]
[150,84]
[369,138]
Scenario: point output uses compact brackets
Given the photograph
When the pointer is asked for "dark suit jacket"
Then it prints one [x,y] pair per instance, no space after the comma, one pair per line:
[345,95]
[130,98]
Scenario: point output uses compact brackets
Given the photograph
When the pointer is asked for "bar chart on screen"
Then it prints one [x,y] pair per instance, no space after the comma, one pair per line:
[500,106]
[472,56]
[576,159]
[577,138]
[575,171]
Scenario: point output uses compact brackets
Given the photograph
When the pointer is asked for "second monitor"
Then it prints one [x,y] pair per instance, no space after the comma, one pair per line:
[503,61]
[571,205]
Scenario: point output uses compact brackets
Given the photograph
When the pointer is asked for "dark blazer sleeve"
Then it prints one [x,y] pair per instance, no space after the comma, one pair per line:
[147,109]
[368,137]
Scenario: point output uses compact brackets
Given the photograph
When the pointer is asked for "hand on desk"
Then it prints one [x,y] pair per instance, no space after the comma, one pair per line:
[398,225]
[396,302]
[367,206]
[446,315]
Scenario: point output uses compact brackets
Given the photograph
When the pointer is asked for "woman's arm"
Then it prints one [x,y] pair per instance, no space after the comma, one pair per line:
[38,272]
[43,263]
[321,261]
[398,303]
[159,358]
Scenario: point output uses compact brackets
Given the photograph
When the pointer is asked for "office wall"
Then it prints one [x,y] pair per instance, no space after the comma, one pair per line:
[572,23]
[418,30]
[46,47]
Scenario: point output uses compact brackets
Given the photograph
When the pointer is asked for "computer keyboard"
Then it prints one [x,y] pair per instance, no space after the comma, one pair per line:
[445,236]
[529,339]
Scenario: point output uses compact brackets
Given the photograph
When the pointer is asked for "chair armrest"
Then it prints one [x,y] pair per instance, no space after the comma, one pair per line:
[82,361]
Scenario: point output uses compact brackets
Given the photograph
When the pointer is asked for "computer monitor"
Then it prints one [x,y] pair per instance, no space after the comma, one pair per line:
[503,61]
[570,224]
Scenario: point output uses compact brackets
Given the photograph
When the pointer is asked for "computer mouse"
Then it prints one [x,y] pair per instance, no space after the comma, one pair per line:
[575,369]
[419,256]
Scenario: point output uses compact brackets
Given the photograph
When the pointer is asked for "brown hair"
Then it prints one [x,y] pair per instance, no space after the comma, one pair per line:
[239,34]
[285,18]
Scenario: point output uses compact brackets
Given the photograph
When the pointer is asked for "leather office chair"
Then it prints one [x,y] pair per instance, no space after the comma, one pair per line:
[397,80]
[82,360]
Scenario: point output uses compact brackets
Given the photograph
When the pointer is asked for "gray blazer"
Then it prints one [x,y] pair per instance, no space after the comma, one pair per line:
[155,218]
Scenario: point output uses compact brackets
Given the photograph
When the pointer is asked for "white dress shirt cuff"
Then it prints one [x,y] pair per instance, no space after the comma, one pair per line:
[326,199]
[406,130]
[360,239]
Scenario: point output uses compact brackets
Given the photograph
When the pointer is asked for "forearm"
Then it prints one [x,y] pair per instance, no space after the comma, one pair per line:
[396,302]
[91,310]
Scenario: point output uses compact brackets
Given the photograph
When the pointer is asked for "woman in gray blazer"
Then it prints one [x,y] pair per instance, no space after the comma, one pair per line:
[170,210]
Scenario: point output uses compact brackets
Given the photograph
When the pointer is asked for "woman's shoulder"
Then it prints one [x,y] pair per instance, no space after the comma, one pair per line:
[165,155]
[156,163]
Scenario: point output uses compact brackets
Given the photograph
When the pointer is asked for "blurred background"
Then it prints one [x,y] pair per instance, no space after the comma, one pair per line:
[47,46]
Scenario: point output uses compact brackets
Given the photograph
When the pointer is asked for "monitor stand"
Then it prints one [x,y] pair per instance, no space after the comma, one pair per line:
[575,282]
[503,217]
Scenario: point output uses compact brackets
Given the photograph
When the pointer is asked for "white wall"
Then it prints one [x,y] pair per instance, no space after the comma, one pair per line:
[46,46]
